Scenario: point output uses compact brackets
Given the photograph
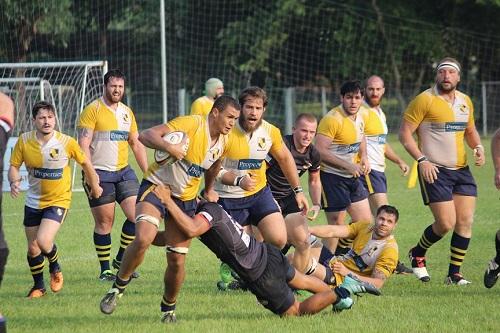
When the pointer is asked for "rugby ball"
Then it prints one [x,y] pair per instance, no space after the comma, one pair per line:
[174,138]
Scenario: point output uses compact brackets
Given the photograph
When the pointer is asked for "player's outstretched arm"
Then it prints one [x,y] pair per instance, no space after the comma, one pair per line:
[495,154]
[329,231]
[189,226]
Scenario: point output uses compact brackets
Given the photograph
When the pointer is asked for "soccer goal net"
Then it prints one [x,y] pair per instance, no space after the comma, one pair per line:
[69,86]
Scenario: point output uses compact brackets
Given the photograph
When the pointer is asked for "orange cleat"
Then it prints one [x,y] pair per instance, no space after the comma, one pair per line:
[36,293]
[56,281]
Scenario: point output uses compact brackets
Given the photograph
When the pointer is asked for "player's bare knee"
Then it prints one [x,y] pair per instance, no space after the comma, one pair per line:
[176,256]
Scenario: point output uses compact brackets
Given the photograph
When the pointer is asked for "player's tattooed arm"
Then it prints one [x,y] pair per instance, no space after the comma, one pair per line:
[84,133]
[378,274]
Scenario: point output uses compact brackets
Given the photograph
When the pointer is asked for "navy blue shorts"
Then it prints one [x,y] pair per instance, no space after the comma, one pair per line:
[250,210]
[33,217]
[374,182]
[146,194]
[116,186]
[271,288]
[340,192]
[448,182]
[325,256]
[288,205]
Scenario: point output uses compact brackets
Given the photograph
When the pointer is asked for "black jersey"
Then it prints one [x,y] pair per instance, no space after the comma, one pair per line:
[309,160]
[231,244]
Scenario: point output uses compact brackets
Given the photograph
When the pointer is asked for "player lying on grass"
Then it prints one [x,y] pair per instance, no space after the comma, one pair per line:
[265,270]
[373,256]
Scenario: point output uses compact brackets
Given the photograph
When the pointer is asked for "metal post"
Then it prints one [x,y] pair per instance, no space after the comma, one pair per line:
[288,109]
[163,61]
[484,108]
[181,94]
[324,109]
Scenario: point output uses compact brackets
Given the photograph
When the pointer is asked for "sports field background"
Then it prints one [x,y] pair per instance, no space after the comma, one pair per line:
[407,305]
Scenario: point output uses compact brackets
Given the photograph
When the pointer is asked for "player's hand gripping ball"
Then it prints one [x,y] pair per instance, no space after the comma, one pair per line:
[174,138]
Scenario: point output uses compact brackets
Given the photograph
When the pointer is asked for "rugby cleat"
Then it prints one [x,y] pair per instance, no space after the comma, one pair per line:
[492,273]
[402,269]
[107,275]
[36,293]
[116,265]
[56,281]
[419,267]
[355,286]
[456,279]
[108,303]
[168,317]
[343,304]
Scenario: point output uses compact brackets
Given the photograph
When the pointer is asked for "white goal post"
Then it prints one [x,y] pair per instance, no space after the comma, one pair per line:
[69,86]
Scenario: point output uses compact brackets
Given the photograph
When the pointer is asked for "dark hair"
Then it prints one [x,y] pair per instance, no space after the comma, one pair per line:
[306,116]
[223,101]
[388,209]
[42,105]
[351,87]
[116,73]
[253,92]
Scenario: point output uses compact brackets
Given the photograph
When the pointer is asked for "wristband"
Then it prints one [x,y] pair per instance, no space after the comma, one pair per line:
[237,180]
[298,190]
[422,159]
[476,148]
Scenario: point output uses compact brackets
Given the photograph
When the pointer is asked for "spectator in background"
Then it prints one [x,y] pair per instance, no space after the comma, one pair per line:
[202,105]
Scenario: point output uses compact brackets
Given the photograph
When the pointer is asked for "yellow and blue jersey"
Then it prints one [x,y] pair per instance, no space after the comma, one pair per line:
[441,126]
[380,254]
[49,173]
[376,137]
[346,135]
[246,154]
[109,146]
[202,106]
[184,176]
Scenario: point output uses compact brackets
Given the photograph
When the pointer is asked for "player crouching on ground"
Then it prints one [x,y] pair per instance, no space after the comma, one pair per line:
[46,154]
[374,253]
[261,266]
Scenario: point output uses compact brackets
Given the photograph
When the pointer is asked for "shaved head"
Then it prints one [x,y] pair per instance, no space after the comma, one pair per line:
[374,90]
[374,78]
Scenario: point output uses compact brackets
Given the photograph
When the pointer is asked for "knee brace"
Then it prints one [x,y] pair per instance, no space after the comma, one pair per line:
[177,249]
[148,218]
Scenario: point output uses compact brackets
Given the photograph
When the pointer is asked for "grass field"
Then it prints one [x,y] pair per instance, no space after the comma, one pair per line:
[407,305]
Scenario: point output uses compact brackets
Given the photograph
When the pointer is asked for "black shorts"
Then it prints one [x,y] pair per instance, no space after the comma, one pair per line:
[289,205]
[271,288]
[116,186]
[33,217]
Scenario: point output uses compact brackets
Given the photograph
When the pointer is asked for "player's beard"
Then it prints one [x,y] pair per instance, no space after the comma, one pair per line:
[373,102]
[244,125]
[112,98]
[446,90]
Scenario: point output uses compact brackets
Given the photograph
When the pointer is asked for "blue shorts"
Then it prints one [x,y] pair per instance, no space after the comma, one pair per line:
[448,182]
[325,256]
[116,186]
[146,194]
[33,216]
[250,210]
[340,192]
[374,182]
